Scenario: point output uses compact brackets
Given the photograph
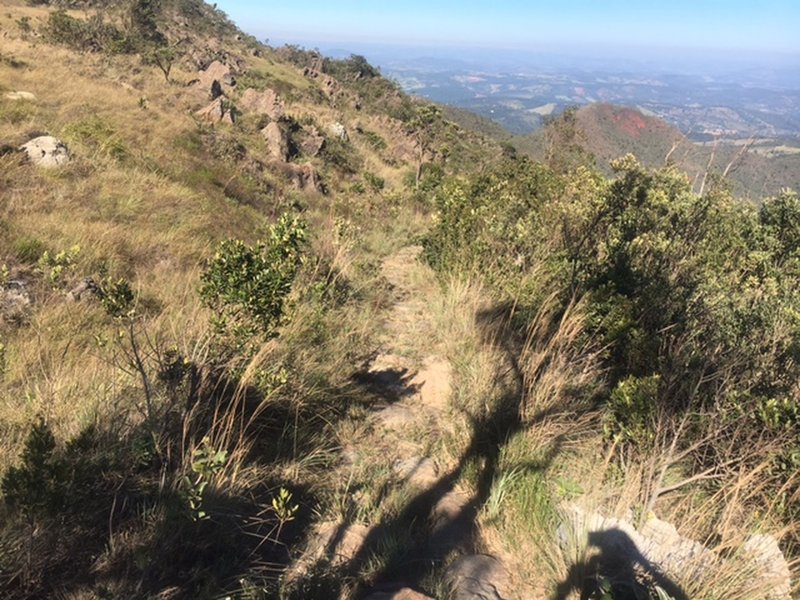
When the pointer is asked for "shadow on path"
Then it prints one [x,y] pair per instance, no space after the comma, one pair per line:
[616,567]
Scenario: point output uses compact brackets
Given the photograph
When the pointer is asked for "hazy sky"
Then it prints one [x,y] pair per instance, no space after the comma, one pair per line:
[769,25]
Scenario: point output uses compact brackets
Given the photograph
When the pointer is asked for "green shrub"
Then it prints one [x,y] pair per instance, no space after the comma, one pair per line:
[341,155]
[55,266]
[375,183]
[92,35]
[246,286]
[37,487]
[632,410]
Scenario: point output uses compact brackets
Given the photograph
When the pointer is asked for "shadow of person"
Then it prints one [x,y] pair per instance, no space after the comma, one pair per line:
[617,567]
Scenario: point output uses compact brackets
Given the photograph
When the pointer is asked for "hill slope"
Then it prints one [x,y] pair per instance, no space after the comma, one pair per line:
[270,328]
[607,132]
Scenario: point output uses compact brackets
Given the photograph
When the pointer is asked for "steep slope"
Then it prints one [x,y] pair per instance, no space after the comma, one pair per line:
[130,353]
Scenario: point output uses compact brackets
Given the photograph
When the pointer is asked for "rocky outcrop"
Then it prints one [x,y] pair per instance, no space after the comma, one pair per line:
[328,84]
[215,79]
[338,131]
[311,141]
[764,556]
[277,140]
[303,177]
[46,152]
[658,549]
[266,103]
[216,112]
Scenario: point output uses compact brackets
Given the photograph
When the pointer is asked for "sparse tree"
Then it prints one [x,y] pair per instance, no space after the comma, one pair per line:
[423,128]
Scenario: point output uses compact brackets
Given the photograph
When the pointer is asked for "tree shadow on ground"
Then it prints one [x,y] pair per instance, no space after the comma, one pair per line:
[616,566]
[434,526]
[124,526]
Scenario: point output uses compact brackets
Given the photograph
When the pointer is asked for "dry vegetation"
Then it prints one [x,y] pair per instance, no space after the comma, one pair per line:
[152,444]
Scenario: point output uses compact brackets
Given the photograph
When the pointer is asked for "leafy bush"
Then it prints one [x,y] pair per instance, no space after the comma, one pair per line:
[92,35]
[341,155]
[247,285]
[693,297]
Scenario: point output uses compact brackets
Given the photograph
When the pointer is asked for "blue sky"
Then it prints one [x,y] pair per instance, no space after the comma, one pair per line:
[762,25]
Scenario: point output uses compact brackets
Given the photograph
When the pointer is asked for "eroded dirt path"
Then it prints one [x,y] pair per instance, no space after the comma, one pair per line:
[426,524]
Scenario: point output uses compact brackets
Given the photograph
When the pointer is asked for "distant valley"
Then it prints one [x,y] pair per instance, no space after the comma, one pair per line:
[736,103]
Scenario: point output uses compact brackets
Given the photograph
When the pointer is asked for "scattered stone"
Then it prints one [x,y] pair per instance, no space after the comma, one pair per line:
[216,112]
[338,131]
[772,570]
[20,96]
[14,300]
[478,577]
[396,416]
[302,176]
[86,286]
[47,152]
[313,142]
[400,594]
[453,521]
[277,141]
[262,103]
[417,471]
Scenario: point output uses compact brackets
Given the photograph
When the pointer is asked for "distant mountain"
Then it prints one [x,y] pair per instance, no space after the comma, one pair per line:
[607,131]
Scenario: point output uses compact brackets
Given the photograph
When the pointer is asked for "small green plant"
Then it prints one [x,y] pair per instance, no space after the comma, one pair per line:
[24,25]
[28,249]
[117,298]
[632,407]
[55,267]
[284,509]
[375,183]
[36,487]
[205,465]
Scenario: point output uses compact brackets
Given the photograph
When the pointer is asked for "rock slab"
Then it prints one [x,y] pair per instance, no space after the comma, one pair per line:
[46,152]
[478,577]
[262,103]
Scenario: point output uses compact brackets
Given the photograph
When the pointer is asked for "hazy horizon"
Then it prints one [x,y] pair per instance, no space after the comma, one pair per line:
[766,28]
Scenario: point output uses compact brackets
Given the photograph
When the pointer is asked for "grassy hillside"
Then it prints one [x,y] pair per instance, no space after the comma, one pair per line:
[298,335]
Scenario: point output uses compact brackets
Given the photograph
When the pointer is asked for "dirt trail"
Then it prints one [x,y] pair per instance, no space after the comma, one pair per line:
[434,517]
[437,516]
